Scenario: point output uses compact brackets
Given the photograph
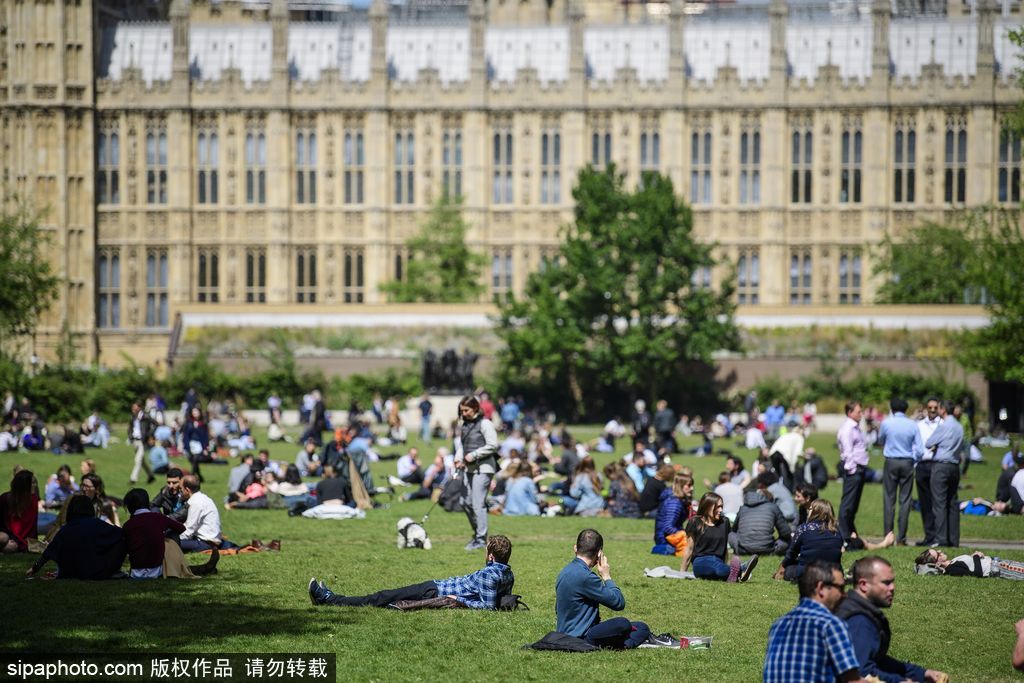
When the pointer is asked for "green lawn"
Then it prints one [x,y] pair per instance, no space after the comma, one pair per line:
[259,603]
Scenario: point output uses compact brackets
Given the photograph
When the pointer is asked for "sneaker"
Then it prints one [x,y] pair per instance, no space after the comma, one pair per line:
[662,640]
[395,481]
[476,544]
[749,569]
[734,569]
[319,594]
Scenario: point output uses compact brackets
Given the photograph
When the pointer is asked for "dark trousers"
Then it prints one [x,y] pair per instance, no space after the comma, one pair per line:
[417,591]
[945,503]
[853,487]
[923,475]
[898,476]
[618,633]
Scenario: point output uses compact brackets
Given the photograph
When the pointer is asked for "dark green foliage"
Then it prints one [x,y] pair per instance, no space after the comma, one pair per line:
[29,283]
[441,267]
[930,265]
[616,317]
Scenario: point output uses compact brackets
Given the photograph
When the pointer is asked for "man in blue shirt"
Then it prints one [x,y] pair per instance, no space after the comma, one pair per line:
[947,441]
[60,488]
[900,439]
[809,643]
[874,587]
[483,589]
[579,594]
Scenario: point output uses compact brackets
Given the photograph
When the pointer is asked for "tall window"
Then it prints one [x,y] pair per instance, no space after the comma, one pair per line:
[849,276]
[701,278]
[208,272]
[750,166]
[955,181]
[206,163]
[550,166]
[700,165]
[156,288]
[601,141]
[800,272]
[405,166]
[305,275]
[451,160]
[501,159]
[650,146]
[501,273]
[352,276]
[255,166]
[109,288]
[108,152]
[849,176]
[748,275]
[802,154]
[305,165]
[156,165]
[402,258]
[904,158]
[1009,166]
[354,156]
[256,275]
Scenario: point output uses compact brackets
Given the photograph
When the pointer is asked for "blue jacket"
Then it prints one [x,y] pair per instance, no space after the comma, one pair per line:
[579,593]
[870,635]
[671,516]
[583,490]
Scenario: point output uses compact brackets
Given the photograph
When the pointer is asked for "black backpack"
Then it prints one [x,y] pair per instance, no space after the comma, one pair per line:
[561,642]
[452,494]
[512,602]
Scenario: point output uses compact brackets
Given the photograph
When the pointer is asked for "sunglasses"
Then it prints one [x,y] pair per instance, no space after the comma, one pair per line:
[841,587]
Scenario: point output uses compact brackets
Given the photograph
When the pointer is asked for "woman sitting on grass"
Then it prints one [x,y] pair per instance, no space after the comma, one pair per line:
[106,506]
[521,492]
[709,543]
[585,497]
[623,498]
[816,539]
[674,511]
[19,510]
[292,490]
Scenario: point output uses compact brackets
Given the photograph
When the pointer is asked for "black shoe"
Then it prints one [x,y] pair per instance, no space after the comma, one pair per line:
[209,567]
[749,570]
[924,544]
[150,480]
[663,640]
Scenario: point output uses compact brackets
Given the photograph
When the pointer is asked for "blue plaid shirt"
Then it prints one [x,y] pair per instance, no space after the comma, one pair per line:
[482,589]
[809,644]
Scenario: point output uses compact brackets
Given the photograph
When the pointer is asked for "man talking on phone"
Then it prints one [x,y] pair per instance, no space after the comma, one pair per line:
[579,594]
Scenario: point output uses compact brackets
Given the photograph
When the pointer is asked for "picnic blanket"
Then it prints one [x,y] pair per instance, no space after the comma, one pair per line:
[667,573]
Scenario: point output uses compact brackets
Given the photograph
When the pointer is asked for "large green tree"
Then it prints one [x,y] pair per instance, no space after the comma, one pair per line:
[616,316]
[441,267]
[930,265]
[29,284]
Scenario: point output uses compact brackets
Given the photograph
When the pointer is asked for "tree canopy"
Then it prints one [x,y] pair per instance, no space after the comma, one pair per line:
[931,265]
[29,283]
[617,315]
[441,268]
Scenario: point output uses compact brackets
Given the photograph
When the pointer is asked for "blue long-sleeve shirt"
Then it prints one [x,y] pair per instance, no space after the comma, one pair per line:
[899,437]
[947,440]
[521,497]
[482,589]
[579,593]
[866,642]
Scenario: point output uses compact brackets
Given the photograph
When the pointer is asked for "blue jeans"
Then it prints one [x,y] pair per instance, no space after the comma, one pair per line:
[425,428]
[710,567]
[618,633]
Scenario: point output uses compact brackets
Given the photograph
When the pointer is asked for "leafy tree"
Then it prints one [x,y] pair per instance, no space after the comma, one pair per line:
[931,266]
[29,283]
[441,267]
[617,316]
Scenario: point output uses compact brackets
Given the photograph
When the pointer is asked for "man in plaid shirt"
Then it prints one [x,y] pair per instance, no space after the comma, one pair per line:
[483,589]
[810,644]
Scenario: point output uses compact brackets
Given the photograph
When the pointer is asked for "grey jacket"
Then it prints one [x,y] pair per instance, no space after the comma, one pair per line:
[757,521]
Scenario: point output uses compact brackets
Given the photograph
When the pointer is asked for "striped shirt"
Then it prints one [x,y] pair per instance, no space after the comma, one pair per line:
[808,644]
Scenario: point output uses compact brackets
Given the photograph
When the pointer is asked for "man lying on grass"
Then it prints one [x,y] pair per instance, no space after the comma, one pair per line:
[483,589]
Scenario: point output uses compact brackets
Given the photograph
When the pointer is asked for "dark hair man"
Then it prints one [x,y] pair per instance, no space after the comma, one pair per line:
[810,643]
[579,594]
[900,439]
[874,585]
[483,589]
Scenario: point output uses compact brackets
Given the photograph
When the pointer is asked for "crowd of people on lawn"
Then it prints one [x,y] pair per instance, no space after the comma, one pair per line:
[509,461]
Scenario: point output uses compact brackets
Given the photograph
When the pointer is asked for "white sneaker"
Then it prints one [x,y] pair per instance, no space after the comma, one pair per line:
[395,481]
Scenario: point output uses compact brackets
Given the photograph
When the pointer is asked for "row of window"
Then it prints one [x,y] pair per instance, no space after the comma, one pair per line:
[306,272]
[502,164]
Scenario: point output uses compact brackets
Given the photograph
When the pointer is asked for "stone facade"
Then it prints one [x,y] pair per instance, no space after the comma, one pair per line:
[274,153]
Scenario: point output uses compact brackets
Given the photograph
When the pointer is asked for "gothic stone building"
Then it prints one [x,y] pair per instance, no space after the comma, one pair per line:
[272,155]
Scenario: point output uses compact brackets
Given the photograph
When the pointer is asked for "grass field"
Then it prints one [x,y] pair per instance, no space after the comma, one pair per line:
[258,603]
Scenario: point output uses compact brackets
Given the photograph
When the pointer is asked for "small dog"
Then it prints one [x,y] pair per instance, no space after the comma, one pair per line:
[412,535]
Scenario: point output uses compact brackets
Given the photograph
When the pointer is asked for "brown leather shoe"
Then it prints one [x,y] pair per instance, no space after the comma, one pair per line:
[274,545]
[256,543]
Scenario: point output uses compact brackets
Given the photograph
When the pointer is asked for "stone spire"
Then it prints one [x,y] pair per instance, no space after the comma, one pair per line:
[279,57]
[881,14]
[180,74]
[477,34]
[778,12]
[379,37]
[986,12]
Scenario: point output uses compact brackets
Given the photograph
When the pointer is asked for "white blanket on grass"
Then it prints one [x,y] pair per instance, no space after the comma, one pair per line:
[667,573]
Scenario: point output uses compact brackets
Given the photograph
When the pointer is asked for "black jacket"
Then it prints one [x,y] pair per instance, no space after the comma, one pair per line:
[170,504]
[854,604]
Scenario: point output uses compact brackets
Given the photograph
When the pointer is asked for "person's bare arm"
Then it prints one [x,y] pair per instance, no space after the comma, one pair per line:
[1018,650]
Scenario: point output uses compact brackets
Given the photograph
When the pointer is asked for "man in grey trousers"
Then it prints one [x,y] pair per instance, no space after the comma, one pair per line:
[476,451]
[900,439]
[947,442]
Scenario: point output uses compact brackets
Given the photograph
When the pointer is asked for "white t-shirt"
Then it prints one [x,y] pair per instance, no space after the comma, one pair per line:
[405,466]
[1018,482]
[203,521]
